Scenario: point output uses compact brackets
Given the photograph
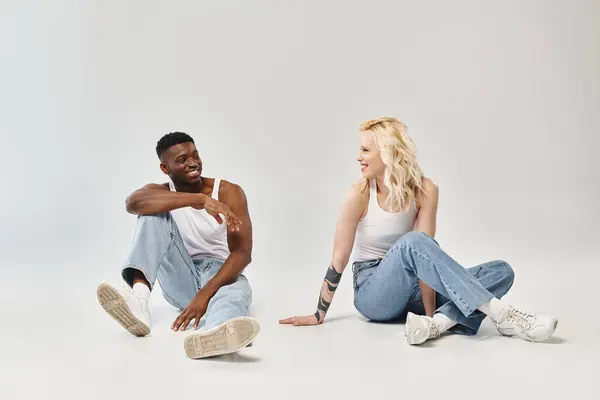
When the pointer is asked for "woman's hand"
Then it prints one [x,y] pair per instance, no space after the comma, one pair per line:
[306,320]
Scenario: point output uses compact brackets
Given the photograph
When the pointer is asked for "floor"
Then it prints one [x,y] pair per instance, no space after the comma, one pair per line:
[56,341]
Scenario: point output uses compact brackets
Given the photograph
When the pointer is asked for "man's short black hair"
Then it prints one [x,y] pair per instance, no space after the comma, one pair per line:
[171,139]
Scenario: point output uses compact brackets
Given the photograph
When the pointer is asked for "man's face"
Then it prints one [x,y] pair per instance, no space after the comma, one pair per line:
[182,163]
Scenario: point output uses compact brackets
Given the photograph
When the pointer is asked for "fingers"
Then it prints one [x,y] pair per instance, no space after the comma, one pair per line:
[179,320]
[299,321]
[184,319]
[185,322]
[233,222]
[216,216]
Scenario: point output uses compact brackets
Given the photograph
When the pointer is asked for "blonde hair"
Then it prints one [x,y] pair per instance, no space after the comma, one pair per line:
[403,175]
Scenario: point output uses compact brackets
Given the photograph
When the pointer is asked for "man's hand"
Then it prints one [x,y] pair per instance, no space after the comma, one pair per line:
[194,311]
[307,320]
[215,208]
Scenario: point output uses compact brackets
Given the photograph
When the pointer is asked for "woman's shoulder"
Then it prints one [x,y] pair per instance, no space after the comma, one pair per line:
[428,185]
[429,192]
[359,190]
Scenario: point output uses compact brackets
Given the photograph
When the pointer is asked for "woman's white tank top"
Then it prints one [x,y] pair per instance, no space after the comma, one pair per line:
[202,235]
[379,229]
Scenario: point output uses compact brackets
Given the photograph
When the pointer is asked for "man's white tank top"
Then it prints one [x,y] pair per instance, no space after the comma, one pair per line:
[379,229]
[202,235]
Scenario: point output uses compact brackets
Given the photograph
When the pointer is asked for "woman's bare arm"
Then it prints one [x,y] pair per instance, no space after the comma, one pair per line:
[345,231]
[426,222]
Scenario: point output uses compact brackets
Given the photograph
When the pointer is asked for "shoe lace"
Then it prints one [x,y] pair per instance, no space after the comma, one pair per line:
[521,318]
[133,293]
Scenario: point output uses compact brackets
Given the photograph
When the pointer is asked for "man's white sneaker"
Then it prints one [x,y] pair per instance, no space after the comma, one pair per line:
[228,337]
[126,307]
[420,328]
[531,327]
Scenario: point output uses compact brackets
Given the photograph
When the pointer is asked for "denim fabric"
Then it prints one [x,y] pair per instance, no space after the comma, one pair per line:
[386,289]
[159,253]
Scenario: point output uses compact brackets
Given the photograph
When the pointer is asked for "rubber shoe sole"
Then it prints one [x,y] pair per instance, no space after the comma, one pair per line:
[516,333]
[416,331]
[228,337]
[116,306]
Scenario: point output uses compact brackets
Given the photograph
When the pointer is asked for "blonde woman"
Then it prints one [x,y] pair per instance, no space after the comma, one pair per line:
[389,220]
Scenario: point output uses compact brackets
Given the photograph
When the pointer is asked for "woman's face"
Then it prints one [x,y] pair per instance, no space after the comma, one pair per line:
[369,157]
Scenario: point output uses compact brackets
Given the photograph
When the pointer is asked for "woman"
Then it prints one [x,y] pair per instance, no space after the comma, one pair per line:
[389,220]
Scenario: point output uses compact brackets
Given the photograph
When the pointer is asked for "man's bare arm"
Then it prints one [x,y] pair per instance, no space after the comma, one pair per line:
[240,241]
[155,199]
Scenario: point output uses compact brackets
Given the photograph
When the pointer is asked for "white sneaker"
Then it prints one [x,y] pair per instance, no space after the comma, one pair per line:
[228,337]
[531,327]
[420,328]
[126,307]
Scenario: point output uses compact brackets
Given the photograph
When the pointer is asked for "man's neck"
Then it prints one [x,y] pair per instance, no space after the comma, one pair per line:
[197,187]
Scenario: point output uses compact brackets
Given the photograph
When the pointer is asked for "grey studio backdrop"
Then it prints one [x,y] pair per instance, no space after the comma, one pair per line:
[502,99]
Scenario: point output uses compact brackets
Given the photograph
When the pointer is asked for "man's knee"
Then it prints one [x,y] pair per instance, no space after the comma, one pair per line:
[154,218]
[156,222]
[238,292]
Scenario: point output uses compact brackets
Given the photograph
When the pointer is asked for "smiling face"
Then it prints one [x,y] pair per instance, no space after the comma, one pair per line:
[369,157]
[182,163]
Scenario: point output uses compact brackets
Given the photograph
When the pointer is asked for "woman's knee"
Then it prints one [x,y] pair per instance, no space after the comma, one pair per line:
[506,271]
[415,239]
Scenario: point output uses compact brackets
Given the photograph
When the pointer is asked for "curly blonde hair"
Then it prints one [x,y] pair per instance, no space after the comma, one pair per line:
[403,176]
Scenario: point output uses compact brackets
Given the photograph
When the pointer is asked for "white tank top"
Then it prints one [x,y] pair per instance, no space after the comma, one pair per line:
[202,235]
[379,229]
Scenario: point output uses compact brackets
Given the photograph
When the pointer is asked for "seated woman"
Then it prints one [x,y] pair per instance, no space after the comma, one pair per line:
[389,219]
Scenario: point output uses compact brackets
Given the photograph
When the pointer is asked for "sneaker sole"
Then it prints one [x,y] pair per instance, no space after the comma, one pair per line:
[412,326]
[544,338]
[521,335]
[226,338]
[116,306]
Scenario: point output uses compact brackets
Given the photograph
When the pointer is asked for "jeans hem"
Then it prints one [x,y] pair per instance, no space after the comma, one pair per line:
[136,267]
[464,306]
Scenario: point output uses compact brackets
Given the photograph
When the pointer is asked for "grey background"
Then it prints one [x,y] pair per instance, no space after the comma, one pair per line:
[502,99]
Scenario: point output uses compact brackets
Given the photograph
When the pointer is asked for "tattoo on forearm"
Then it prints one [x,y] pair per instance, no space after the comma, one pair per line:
[318,316]
[323,304]
[332,279]
[333,276]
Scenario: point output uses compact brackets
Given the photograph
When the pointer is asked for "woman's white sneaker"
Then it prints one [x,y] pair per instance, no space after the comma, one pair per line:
[420,328]
[527,326]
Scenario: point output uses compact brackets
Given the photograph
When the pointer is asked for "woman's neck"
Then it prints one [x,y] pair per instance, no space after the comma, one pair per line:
[381,186]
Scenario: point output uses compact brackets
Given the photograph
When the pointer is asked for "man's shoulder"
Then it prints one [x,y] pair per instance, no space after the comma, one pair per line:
[230,190]
[229,186]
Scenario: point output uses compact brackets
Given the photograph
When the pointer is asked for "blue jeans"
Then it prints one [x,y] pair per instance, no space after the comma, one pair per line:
[386,289]
[158,252]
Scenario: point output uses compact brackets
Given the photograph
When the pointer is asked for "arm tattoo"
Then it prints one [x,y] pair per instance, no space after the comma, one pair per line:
[323,304]
[332,279]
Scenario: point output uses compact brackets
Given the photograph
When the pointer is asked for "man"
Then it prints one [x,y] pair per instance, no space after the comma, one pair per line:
[194,235]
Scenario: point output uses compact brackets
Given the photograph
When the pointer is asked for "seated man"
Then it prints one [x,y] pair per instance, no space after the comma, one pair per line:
[195,235]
